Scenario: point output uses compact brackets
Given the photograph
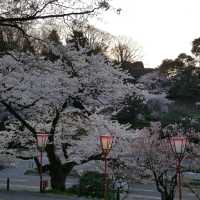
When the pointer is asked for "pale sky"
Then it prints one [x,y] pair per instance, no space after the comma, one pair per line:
[164,28]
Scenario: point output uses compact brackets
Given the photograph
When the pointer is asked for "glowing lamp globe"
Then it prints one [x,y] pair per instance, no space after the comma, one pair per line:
[178,144]
[42,140]
[106,143]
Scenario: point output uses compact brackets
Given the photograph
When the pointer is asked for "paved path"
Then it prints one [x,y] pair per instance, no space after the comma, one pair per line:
[138,192]
[22,195]
[19,182]
[149,192]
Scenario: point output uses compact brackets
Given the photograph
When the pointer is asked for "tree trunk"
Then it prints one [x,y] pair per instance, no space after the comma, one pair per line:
[57,180]
[166,196]
[57,173]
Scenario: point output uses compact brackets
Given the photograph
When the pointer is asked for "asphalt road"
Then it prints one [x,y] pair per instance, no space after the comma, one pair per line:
[149,192]
[24,186]
[22,195]
[30,183]
[22,189]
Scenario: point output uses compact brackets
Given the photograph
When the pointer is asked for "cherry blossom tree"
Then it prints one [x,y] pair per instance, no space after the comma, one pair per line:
[71,98]
[19,13]
[152,158]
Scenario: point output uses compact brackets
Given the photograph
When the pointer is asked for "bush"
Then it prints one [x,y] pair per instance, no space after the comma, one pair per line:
[31,172]
[91,184]
[171,118]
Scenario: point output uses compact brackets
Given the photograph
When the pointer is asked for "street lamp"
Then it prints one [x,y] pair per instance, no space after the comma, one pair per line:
[106,145]
[178,146]
[41,144]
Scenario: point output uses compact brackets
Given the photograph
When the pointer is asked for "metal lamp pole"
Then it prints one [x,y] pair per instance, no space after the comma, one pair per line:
[178,171]
[41,144]
[105,177]
[178,146]
[106,145]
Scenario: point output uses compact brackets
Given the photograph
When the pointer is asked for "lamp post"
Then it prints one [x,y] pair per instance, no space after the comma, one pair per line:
[178,146]
[41,144]
[106,145]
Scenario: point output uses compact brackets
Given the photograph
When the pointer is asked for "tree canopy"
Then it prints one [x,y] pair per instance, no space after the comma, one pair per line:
[71,98]
[17,13]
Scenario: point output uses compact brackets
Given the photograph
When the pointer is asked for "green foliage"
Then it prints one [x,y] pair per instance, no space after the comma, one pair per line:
[170,67]
[91,184]
[167,66]
[184,75]
[196,47]
[143,122]
[135,112]
[31,172]
[7,46]
[10,40]
[186,84]
[172,117]
[195,116]
[183,113]
[54,37]
[77,37]
[184,120]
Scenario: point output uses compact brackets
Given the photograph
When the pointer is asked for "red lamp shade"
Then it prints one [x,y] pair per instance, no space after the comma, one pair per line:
[178,144]
[106,143]
[42,140]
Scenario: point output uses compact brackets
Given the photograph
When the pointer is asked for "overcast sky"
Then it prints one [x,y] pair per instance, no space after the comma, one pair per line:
[164,28]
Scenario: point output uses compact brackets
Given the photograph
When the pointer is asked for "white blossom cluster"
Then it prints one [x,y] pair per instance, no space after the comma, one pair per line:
[37,88]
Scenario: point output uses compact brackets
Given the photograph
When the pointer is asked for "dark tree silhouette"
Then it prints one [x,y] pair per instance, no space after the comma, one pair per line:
[196,47]
[54,37]
[125,50]
[17,13]
[169,66]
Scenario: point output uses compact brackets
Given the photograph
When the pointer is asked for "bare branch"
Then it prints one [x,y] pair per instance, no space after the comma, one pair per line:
[19,117]
[33,17]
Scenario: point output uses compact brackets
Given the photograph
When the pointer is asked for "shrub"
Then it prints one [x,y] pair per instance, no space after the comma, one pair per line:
[91,184]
